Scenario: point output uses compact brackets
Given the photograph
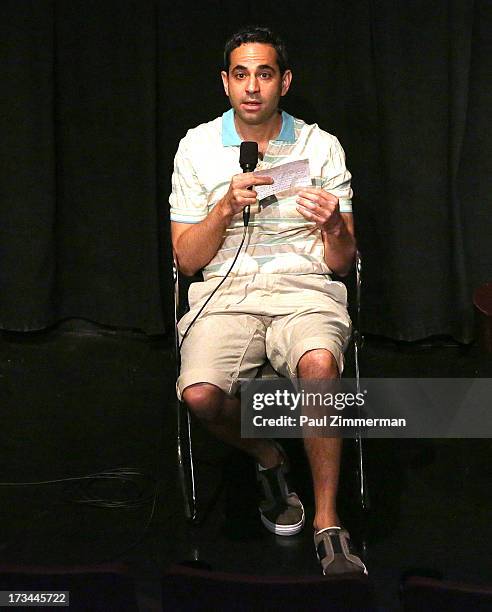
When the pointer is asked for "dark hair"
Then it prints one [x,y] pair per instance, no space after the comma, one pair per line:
[256,34]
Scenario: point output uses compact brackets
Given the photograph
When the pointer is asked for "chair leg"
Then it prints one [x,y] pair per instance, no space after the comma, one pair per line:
[361,475]
[359,441]
[186,468]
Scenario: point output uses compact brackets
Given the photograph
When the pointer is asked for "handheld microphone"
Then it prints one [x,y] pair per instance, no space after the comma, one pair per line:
[248,158]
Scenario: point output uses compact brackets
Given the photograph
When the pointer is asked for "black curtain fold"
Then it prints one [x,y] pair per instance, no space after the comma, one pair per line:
[410,213]
[96,96]
[106,115]
[28,182]
[475,164]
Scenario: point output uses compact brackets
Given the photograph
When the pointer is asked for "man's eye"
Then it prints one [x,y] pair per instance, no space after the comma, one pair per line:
[265,75]
[240,75]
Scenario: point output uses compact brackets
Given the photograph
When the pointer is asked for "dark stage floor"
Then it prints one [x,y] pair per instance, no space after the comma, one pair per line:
[75,404]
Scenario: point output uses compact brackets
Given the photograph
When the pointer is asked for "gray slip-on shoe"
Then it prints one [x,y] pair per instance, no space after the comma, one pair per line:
[281,510]
[335,552]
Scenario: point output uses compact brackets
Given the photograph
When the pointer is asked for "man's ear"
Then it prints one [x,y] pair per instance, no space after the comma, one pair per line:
[225,81]
[286,81]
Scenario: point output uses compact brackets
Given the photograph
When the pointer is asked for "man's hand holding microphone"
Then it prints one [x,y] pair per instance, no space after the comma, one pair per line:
[241,193]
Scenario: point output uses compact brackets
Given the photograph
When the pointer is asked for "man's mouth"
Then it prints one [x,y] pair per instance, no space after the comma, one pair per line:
[251,104]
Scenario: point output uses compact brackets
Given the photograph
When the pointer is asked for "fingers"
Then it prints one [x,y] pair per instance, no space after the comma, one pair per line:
[312,204]
[248,196]
[248,179]
[241,192]
[317,195]
[240,198]
[317,205]
[262,180]
[310,211]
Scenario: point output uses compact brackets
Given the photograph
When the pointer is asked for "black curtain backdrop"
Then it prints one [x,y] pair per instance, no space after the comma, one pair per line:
[96,95]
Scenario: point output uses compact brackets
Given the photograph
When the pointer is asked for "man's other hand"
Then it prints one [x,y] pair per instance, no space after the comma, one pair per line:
[317,205]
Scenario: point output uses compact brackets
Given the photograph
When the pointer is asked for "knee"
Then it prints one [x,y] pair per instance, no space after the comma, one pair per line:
[204,400]
[318,363]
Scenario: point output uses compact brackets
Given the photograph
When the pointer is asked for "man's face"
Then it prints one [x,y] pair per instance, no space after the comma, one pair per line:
[254,84]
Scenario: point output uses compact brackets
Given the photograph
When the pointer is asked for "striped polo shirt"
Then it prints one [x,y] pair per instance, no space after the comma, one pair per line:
[279,240]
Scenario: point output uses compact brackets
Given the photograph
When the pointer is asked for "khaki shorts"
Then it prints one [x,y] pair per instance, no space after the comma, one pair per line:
[251,319]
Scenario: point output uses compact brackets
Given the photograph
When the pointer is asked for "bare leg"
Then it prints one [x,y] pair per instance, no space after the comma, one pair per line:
[221,415]
[323,453]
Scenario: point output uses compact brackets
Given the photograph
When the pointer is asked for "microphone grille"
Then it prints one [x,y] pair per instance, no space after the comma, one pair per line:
[248,155]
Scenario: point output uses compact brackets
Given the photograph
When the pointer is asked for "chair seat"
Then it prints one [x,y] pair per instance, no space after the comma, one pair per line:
[266,372]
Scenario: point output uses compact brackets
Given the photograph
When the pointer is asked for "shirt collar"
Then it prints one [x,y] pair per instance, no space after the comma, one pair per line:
[230,137]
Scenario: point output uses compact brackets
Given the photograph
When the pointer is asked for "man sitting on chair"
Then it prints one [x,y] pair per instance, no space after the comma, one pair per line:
[278,301]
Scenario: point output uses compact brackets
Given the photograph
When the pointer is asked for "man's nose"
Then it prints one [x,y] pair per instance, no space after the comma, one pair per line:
[252,84]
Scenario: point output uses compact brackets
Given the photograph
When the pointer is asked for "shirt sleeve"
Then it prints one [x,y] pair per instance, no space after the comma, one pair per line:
[188,200]
[336,178]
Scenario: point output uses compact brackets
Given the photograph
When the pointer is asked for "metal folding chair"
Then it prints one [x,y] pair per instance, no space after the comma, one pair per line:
[186,464]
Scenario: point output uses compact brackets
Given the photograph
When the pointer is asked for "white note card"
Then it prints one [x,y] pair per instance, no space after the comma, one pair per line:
[287,176]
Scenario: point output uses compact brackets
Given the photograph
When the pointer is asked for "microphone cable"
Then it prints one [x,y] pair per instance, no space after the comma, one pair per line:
[248,159]
[216,288]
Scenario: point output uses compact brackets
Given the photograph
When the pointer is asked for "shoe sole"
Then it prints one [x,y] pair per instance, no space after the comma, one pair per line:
[283,530]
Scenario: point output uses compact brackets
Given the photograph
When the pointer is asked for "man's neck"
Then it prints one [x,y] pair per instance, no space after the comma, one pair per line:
[262,134]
